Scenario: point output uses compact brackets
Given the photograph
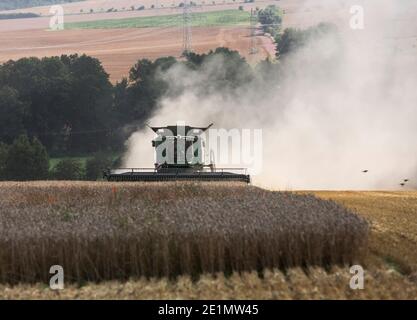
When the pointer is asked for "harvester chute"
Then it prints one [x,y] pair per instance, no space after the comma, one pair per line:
[179,156]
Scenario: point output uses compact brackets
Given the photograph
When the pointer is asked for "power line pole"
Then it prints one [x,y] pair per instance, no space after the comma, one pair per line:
[253,23]
[186,30]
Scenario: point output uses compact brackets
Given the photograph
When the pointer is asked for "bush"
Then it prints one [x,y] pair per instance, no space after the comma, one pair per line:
[95,167]
[26,160]
[271,19]
[68,169]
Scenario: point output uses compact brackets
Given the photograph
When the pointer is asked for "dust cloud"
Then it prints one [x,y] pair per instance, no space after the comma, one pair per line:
[342,104]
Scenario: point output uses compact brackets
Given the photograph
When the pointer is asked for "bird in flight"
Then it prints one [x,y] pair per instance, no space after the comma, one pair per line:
[364,171]
[406,180]
[402,184]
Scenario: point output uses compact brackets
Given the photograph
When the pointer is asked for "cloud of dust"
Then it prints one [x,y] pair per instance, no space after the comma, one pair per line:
[324,119]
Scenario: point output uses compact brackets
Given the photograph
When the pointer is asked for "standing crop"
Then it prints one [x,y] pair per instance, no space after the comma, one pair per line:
[102,231]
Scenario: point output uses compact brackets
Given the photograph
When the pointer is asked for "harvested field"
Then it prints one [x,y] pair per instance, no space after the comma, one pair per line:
[119,49]
[101,231]
[393,223]
[124,6]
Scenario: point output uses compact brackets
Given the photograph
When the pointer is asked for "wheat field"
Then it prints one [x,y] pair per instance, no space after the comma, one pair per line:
[390,261]
[103,231]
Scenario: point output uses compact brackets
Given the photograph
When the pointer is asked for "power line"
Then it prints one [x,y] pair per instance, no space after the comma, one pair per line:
[186,30]
[253,22]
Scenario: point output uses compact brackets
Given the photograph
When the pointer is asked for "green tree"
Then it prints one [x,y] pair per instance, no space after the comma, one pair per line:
[292,39]
[43,87]
[40,160]
[58,93]
[271,19]
[268,71]
[11,114]
[68,169]
[96,165]
[26,160]
[235,71]
[122,103]
[90,112]
[194,59]
[146,86]
[4,149]
[289,41]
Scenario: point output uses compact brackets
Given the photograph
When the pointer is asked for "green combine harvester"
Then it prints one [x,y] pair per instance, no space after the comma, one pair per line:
[179,154]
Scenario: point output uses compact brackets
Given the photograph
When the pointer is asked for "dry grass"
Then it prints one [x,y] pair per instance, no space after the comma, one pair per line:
[102,231]
[295,284]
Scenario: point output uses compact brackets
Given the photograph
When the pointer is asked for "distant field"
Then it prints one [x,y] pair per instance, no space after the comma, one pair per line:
[54,161]
[393,217]
[102,6]
[120,49]
[83,160]
[199,19]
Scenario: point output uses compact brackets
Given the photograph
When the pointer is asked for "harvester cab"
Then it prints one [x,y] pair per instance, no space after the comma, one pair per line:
[180,154]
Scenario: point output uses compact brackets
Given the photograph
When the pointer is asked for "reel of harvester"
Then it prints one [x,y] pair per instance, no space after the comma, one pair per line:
[179,154]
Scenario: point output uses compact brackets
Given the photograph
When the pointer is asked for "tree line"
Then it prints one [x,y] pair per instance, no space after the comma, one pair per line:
[27,159]
[19,15]
[66,106]
[70,106]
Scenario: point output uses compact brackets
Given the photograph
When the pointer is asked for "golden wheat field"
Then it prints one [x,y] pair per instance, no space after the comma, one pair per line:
[279,225]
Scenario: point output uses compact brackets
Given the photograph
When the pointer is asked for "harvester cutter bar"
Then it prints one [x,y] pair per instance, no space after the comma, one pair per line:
[177,176]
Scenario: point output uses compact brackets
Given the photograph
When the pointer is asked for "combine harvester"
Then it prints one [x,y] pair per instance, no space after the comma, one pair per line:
[179,154]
